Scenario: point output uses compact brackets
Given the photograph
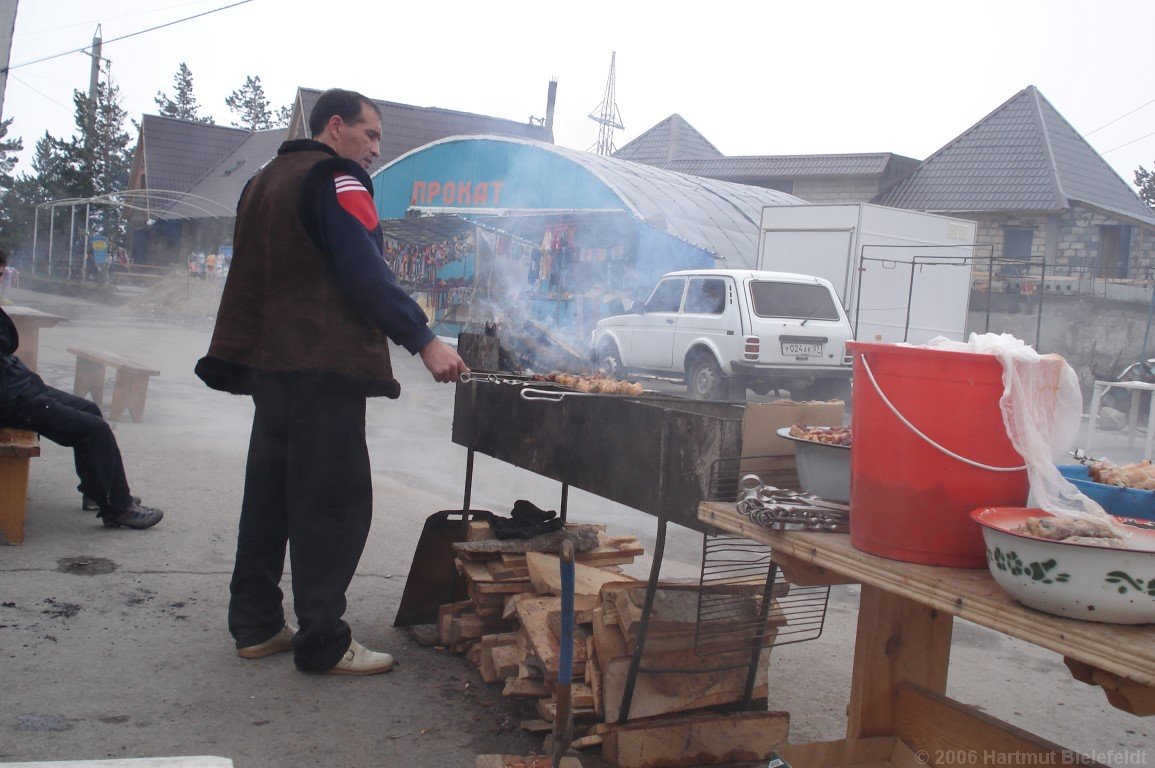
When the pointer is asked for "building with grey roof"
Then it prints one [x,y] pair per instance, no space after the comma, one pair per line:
[675,145]
[198,170]
[1039,192]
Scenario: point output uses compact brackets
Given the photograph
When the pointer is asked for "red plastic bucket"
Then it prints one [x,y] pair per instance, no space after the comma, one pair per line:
[910,499]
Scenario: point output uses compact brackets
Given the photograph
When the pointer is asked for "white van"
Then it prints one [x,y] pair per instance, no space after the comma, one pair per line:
[728,330]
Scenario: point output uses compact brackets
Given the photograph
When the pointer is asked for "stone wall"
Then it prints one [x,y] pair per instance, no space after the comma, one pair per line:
[837,190]
[1078,247]
[1089,331]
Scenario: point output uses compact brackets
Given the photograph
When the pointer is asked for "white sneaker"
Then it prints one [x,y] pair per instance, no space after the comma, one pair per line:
[359,660]
[278,643]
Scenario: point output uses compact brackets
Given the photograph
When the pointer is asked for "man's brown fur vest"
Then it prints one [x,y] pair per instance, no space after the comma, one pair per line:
[283,310]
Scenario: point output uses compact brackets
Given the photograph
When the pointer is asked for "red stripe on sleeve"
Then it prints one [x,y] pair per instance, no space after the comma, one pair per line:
[356,200]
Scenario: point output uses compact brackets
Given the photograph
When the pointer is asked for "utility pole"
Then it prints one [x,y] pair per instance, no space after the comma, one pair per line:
[93,84]
[7,26]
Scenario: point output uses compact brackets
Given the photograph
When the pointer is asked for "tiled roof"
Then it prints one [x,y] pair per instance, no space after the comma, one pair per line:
[214,162]
[406,127]
[719,217]
[218,192]
[793,166]
[671,140]
[1024,156]
[177,153]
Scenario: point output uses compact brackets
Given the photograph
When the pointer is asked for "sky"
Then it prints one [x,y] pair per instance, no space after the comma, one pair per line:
[755,78]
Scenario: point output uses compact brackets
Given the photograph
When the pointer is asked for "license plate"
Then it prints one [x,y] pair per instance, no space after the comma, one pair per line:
[801,350]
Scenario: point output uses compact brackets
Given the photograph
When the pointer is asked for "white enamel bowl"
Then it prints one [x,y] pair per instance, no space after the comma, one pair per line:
[1078,581]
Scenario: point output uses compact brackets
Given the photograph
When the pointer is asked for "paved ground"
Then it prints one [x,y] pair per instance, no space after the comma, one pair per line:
[113,644]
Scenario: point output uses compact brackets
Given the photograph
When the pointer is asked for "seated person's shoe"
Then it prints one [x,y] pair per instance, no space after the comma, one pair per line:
[88,504]
[135,516]
[278,643]
[359,660]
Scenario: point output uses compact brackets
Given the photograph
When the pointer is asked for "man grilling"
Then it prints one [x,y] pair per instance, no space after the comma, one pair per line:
[303,327]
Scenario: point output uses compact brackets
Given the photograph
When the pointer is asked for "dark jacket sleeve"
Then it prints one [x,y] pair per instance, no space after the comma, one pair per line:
[355,253]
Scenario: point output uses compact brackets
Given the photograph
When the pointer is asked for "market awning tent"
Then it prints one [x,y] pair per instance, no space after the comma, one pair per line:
[517,185]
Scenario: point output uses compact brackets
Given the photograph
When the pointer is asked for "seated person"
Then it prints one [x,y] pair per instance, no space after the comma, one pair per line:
[26,402]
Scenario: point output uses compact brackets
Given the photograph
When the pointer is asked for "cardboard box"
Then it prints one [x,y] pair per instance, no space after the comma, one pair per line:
[761,423]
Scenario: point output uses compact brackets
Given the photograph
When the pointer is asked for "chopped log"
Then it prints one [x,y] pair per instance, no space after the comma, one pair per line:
[471,626]
[588,741]
[700,682]
[511,601]
[694,740]
[545,573]
[533,615]
[582,695]
[609,641]
[479,530]
[536,726]
[504,659]
[501,571]
[583,537]
[446,613]
[523,686]
[594,681]
[582,617]
[547,709]
[474,571]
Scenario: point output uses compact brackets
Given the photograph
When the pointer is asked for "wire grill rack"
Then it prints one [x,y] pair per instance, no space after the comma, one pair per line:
[744,600]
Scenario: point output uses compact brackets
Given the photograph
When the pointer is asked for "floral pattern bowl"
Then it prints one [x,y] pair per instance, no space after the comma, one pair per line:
[1076,580]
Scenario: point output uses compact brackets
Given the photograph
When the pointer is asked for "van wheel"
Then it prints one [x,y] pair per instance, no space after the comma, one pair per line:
[609,360]
[705,380]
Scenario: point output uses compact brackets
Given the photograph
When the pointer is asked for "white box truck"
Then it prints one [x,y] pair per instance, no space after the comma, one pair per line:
[901,275]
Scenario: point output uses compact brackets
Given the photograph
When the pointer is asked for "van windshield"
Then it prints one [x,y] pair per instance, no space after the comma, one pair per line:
[794,300]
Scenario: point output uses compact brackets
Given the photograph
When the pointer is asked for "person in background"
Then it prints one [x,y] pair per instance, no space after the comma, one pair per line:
[26,402]
[304,324]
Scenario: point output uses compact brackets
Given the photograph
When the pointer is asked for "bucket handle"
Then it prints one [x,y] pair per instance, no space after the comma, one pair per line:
[914,429]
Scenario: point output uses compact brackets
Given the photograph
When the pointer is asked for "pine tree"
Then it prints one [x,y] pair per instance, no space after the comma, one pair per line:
[183,105]
[7,157]
[9,236]
[100,157]
[251,106]
[1145,181]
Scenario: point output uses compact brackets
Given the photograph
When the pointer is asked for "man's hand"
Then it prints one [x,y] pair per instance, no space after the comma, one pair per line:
[442,361]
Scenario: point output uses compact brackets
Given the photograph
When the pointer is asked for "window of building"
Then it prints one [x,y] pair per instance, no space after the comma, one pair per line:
[1114,251]
[1017,243]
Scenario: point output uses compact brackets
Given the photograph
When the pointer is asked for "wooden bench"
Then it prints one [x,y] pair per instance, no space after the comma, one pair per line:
[17,446]
[130,389]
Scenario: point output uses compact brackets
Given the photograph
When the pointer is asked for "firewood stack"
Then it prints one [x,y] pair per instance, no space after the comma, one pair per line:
[510,624]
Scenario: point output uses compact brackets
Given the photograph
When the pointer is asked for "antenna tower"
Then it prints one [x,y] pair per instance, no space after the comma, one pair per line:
[606,115]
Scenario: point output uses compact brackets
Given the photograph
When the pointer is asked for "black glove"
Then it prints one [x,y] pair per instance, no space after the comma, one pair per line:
[526,510]
[527,520]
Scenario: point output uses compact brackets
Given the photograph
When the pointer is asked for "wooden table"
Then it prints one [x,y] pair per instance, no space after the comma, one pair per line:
[902,647]
[28,322]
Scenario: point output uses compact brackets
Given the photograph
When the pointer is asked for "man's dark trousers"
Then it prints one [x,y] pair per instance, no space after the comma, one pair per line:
[75,423]
[307,484]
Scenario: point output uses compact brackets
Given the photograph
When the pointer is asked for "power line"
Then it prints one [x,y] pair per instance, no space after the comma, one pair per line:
[1120,117]
[106,19]
[1129,143]
[125,37]
[37,90]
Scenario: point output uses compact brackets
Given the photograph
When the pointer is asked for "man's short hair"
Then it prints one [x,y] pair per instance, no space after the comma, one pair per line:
[336,101]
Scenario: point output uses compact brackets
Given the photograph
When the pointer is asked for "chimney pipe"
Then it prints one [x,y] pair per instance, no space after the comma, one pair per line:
[550,101]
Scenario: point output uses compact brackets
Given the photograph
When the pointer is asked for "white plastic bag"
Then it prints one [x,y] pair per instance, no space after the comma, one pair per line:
[1042,409]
